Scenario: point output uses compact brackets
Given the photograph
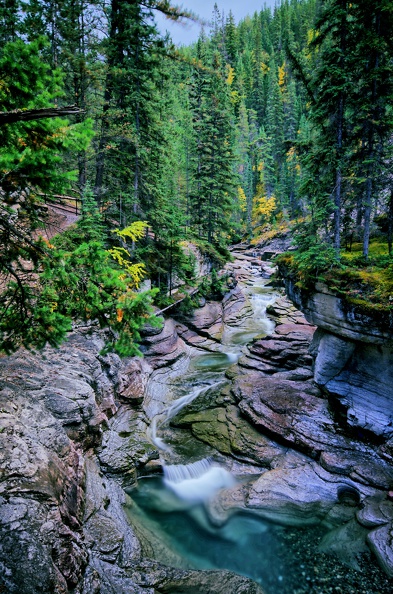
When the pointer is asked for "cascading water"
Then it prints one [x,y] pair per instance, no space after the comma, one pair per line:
[174,510]
[198,481]
[179,498]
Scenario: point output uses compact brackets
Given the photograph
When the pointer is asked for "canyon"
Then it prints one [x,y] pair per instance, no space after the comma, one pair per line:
[301,418]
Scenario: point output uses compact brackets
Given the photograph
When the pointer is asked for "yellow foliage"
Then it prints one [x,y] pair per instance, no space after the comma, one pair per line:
[265,68]
[291,153]
[281,76]
[231,74]
[120,314]
[47,242]
[242,199]
[264,207]
[134,231]
[134,272]
[311,35]
[235,97]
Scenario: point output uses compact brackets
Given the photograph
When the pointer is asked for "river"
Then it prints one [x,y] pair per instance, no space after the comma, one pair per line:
[172,514]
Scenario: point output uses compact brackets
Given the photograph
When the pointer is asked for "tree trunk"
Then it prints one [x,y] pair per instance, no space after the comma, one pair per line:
[373,118]
[367,212]
[390,223]
[18,115]
[339,136]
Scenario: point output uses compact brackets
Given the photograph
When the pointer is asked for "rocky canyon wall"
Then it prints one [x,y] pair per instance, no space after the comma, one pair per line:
[353,360]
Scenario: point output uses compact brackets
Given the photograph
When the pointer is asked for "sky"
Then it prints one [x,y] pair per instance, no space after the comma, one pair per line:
[186,34]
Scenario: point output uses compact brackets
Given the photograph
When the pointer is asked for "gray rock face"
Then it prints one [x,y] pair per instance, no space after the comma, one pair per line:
[353,360]
[361,377]
[327,311]
[332,353]
[71,435]
[50,411]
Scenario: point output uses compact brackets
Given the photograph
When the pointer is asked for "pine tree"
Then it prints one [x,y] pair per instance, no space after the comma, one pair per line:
[230,39]
[30,162]
[214,188]
[373,93]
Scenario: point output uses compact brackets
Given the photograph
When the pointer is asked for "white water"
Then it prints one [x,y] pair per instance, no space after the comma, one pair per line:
[197,482]
[180,403]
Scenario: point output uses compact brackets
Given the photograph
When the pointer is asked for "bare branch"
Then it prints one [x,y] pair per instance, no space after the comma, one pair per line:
[20,115]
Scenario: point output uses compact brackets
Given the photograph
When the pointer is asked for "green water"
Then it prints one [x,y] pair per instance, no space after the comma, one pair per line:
[213,362]
[190,533]
[283,560]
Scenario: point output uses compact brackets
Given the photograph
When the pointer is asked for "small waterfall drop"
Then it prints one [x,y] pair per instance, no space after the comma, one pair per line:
[197,482]
[180,403]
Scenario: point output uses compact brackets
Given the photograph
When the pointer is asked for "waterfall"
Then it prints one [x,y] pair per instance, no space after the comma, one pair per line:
[172,410]
[197,482]
[176,473]
[160,443]
[180,403]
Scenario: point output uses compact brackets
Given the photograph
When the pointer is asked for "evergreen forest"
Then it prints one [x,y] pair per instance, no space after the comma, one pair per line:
[279,124]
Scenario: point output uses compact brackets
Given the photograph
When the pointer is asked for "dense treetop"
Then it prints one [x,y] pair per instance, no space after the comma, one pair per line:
[281,121]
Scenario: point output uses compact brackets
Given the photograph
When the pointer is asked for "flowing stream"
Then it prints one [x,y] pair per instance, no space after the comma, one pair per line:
[173,507]
[172,511]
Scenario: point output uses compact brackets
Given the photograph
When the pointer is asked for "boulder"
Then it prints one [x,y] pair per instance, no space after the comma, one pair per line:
[287,348]
[163,349]
[207,320]
[132,380]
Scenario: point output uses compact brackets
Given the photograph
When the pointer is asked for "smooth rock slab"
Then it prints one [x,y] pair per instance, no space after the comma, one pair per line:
[290,411]
[302,493]
[380,542]
[164,348]
[376,511]
[125,445]
[286,349]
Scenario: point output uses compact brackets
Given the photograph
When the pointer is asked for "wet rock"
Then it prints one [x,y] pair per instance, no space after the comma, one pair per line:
[286,349]
[125,446]
[170,580]
[327,311]
[331,353]
[360,463]
[208,320]
[380,542]
[347,542]
[354,358]
[293,414]
[107,578]
[284,409]
[226,430]
[386,450]
[376,511]
[54,502]
[165,348]
[236,306]
[132,380]
[298,492]
[193,339]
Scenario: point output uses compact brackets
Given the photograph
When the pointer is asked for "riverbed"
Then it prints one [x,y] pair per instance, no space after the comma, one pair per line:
[174,511]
